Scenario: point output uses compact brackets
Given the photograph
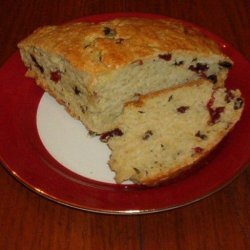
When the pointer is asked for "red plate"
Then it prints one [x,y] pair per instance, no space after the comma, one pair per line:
[23,154]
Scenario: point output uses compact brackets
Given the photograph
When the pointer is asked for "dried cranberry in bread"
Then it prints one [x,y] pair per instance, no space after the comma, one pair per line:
[166,132]
[94,68]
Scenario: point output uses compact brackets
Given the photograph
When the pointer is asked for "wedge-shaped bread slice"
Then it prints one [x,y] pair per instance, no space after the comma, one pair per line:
[94,68]
[164,133]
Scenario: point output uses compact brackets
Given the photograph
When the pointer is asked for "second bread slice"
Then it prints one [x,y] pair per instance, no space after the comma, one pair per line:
[168,131]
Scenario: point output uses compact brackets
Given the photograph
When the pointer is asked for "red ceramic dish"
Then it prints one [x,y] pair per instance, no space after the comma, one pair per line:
[23,154]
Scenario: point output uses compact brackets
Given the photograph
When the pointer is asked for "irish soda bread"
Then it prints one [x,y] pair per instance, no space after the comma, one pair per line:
[166,132]
[94,68]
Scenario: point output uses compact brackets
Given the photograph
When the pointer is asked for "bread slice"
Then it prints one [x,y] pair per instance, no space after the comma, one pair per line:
[164,133]
[94,68]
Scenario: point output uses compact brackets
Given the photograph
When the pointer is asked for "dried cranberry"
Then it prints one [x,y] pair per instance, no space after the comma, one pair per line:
[109,32]
[200,135]
[106,136]
[178,63]
[226,64]
[199,67]
[238,103]
[211,101]
[147,134]
[215,114]
[84,109]
[182,109]
[213,78]
[37,64]
[76,90]
[229,96]
[166,57]
[55,76]
[198,150]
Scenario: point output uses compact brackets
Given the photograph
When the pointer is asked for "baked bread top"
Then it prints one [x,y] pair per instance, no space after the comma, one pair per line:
[101,47]
[166,132]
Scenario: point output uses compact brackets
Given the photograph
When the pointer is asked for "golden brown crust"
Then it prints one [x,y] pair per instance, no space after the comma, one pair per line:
[125,40]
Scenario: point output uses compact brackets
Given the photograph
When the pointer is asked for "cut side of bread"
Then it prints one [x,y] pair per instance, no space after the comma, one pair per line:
[164,133]
[94,68]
